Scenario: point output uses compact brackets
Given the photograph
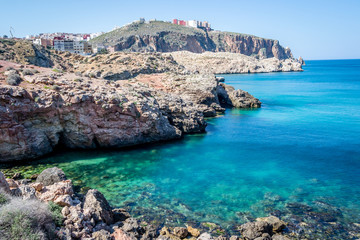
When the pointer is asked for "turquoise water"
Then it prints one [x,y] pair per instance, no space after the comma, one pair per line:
[302,146]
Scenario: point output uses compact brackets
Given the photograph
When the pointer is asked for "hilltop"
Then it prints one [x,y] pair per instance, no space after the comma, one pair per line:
[158,36]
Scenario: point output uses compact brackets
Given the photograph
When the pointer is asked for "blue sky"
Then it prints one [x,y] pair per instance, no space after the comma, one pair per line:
[312,29]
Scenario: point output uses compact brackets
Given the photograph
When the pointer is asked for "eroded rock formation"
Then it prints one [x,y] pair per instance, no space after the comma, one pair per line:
[82,109]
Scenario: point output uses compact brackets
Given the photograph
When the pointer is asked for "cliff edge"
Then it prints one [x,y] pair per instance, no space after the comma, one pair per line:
[158,36]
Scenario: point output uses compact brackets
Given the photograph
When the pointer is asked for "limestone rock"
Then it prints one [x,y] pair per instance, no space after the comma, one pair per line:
[193,231]
[230,63]
[279,237]
[120,214]
[98,206]
[38,186]
[242,99]
[234,237]
[50,176]
[253,230]
[12,183]
[205,236]
[59,192]
[181,232]
[277,224]
[27,192]
[103,235]
[133,228]
[4,186]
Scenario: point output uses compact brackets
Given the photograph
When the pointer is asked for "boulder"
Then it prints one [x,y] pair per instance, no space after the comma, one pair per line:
[253,230]
[120,214]
[59,193]
[102,235]
[4,186]
[234,237]
[279,237]
[181,232]
[38,186]
[193,231]
[27,192]
[133,228]
[205,236]
[119,234]
[50,176]
[99,208]
[12,183]
[242,99]
[277,224]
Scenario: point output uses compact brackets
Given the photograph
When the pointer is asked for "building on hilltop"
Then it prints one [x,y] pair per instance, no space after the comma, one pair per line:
[47,43]
[193,23]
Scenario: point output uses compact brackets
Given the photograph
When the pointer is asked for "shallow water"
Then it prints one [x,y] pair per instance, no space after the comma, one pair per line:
[302,146]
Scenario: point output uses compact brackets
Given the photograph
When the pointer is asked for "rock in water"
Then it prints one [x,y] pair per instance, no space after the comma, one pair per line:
[205,236]
[242,99]
[181,232]
[252,230]
[99,208]
[193,231]
[277,224]
[50,176]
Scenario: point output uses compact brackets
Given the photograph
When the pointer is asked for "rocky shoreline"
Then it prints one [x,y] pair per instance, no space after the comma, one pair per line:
[233,63]
[87,106]
[89,216]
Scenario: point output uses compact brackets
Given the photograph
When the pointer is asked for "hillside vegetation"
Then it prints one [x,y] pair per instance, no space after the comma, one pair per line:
[161,36]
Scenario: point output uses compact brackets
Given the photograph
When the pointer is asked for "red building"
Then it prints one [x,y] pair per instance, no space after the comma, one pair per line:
[175,21]
[182,22]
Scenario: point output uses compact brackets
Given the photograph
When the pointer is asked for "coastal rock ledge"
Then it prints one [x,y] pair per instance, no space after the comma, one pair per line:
[156,100]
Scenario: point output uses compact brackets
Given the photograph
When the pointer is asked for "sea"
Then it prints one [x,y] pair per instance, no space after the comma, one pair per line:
[296,157]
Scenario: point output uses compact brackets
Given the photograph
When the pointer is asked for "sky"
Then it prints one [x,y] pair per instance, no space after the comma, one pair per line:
[313,29]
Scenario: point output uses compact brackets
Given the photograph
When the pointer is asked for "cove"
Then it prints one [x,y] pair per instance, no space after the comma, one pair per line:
[301,147]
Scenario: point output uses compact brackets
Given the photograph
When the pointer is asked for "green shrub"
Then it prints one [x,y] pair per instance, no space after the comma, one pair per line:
[4,198]
[26,220]
[13,79]
[56,213]
[57,70]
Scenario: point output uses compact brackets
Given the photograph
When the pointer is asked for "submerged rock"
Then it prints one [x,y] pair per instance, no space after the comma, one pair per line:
[50,176]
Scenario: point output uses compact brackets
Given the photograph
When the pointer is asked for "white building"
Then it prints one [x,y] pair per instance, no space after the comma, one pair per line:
[97,48]
[78,47]
[61,44]
[192,23]
[94,35]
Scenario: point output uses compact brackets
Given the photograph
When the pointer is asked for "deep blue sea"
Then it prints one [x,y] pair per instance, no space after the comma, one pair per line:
[302,146]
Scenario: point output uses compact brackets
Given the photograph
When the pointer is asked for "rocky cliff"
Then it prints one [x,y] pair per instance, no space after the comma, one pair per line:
[227,63]
[160,36]
[156,100]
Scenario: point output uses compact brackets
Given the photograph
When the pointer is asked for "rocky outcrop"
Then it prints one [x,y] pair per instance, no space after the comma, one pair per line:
[4,186]
[80,110]
[228,96]
[51,176]
[229,63]
[160,36]
[98,207]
